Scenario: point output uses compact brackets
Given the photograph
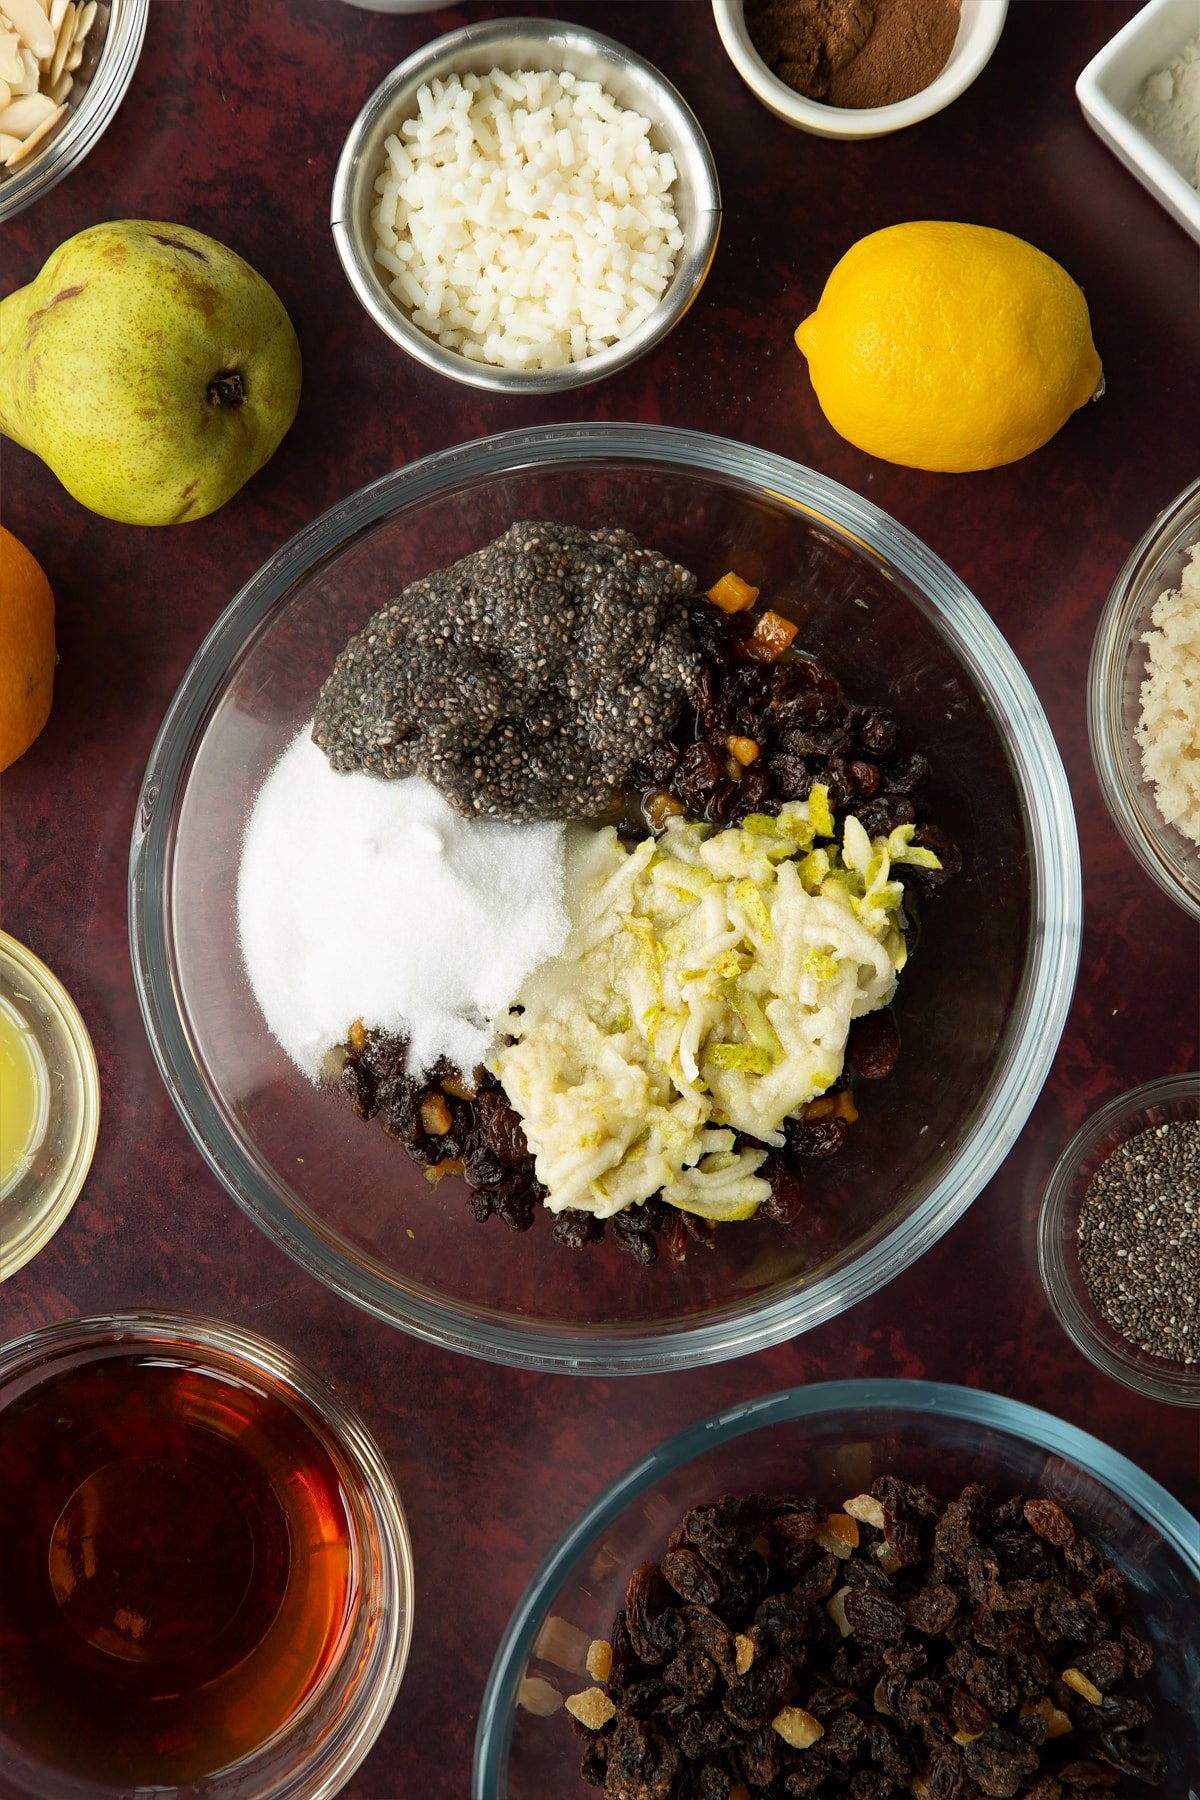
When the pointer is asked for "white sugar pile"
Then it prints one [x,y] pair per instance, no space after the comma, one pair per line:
[525,219]
[360,898]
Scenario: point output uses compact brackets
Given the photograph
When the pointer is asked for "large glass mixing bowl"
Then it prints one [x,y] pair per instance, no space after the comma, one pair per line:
[980,1007]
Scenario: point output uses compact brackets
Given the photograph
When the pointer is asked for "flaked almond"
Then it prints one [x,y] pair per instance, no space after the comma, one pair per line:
[32,25]
[1075,1678]
[62,47]
[36,135]
[797,1727]
[879,1701]
[563,1644]
[599,1659]
[838,1535]
[866,1509]
[84,20]
[966,1737]
[592,1708]
[743,1652]
[835,1606]
[1057,1722]
[57,9]
[535,1695]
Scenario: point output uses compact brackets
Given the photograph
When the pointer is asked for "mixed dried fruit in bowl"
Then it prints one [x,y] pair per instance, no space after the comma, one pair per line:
[904,1645]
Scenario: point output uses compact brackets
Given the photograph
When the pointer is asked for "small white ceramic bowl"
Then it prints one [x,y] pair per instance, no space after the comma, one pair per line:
[978,34]
[1111,87]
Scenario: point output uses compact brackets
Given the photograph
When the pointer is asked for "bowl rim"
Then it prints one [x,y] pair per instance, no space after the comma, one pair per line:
[1176,1384]
[692,266]
[89,120]
[1130,804]
[1039,1012]
[322,1775]
[974,1406]
[858,121]
[83,1078]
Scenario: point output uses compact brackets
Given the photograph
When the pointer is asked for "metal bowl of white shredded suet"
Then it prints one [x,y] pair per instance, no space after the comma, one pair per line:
[526,206]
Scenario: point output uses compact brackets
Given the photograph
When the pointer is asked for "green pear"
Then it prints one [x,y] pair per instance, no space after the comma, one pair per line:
[151,368]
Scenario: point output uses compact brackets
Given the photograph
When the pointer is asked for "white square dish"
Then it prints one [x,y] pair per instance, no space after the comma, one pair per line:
[1111,87]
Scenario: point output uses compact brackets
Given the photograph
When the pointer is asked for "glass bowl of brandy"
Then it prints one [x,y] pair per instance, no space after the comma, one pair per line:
[205,1572]
[979,1010]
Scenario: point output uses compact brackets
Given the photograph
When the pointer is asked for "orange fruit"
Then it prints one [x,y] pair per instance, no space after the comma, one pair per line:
[26,648]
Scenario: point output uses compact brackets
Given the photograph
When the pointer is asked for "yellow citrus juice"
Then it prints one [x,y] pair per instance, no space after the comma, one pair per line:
[24,1096]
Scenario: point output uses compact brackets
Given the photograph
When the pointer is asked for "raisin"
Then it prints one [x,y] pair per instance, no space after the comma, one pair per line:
[798,1524]
[655,767]
[752,791]
[1050,1522]
[790,776]
[967,1712]
[755,1697]
[1110,1589]
[785,1623]
[594,1763]
[785,1202]
[798,676]
[642,1763]
[759,1756]
[999,1763]
[632,1235]
[701,770]
[1087,1772]
[1103,1665]
[1146,1764]
[869,1784]
[816,1137]
[874,731]
[907,775]
[692,1578]
[873,1046]
[818,1581]
[945,1778]
[1137,1650]
[873,1618]
[864,778]
[576,1229]
[653,1623]
[690,1674]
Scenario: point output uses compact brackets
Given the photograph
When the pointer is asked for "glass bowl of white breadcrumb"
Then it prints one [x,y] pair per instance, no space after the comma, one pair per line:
[1144,700]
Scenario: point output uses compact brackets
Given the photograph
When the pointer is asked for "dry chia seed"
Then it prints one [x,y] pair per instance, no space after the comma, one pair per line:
[524,680]
[1139,1240]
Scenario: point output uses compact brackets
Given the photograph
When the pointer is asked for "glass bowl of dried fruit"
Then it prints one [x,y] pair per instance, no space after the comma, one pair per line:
[681,1020]
[891,1587]
[67,66]
[1119,1239]
[1143,691]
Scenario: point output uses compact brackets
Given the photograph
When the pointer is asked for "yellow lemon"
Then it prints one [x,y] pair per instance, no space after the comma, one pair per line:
[948,346]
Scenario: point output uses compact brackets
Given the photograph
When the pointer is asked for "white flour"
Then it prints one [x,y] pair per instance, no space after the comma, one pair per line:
[1169,111]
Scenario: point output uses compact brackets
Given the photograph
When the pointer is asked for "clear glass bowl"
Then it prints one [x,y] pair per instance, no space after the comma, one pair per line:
[44,1184]
[110,56]
[1156,1103]
[1118,668]
[981,1007]
[830,1441]
[316,1752]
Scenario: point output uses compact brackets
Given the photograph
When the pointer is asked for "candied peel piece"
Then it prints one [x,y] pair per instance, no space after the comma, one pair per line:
[592,1708]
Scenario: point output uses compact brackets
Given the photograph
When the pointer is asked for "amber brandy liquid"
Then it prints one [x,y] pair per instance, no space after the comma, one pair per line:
[176,1570]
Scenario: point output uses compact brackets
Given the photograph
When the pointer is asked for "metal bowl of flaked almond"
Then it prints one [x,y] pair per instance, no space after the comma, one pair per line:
[64,69]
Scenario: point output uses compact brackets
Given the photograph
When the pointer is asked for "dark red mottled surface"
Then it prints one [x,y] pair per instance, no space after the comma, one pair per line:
[233,125]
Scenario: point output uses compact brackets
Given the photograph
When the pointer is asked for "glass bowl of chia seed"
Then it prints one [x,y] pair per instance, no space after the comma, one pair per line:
[1119,1239]
[830,1443]
[980,1009]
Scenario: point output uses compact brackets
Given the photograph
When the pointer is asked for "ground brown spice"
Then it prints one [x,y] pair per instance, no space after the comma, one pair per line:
[854,53]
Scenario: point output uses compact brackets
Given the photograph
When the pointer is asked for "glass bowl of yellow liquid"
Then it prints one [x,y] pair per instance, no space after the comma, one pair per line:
[49,1104]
